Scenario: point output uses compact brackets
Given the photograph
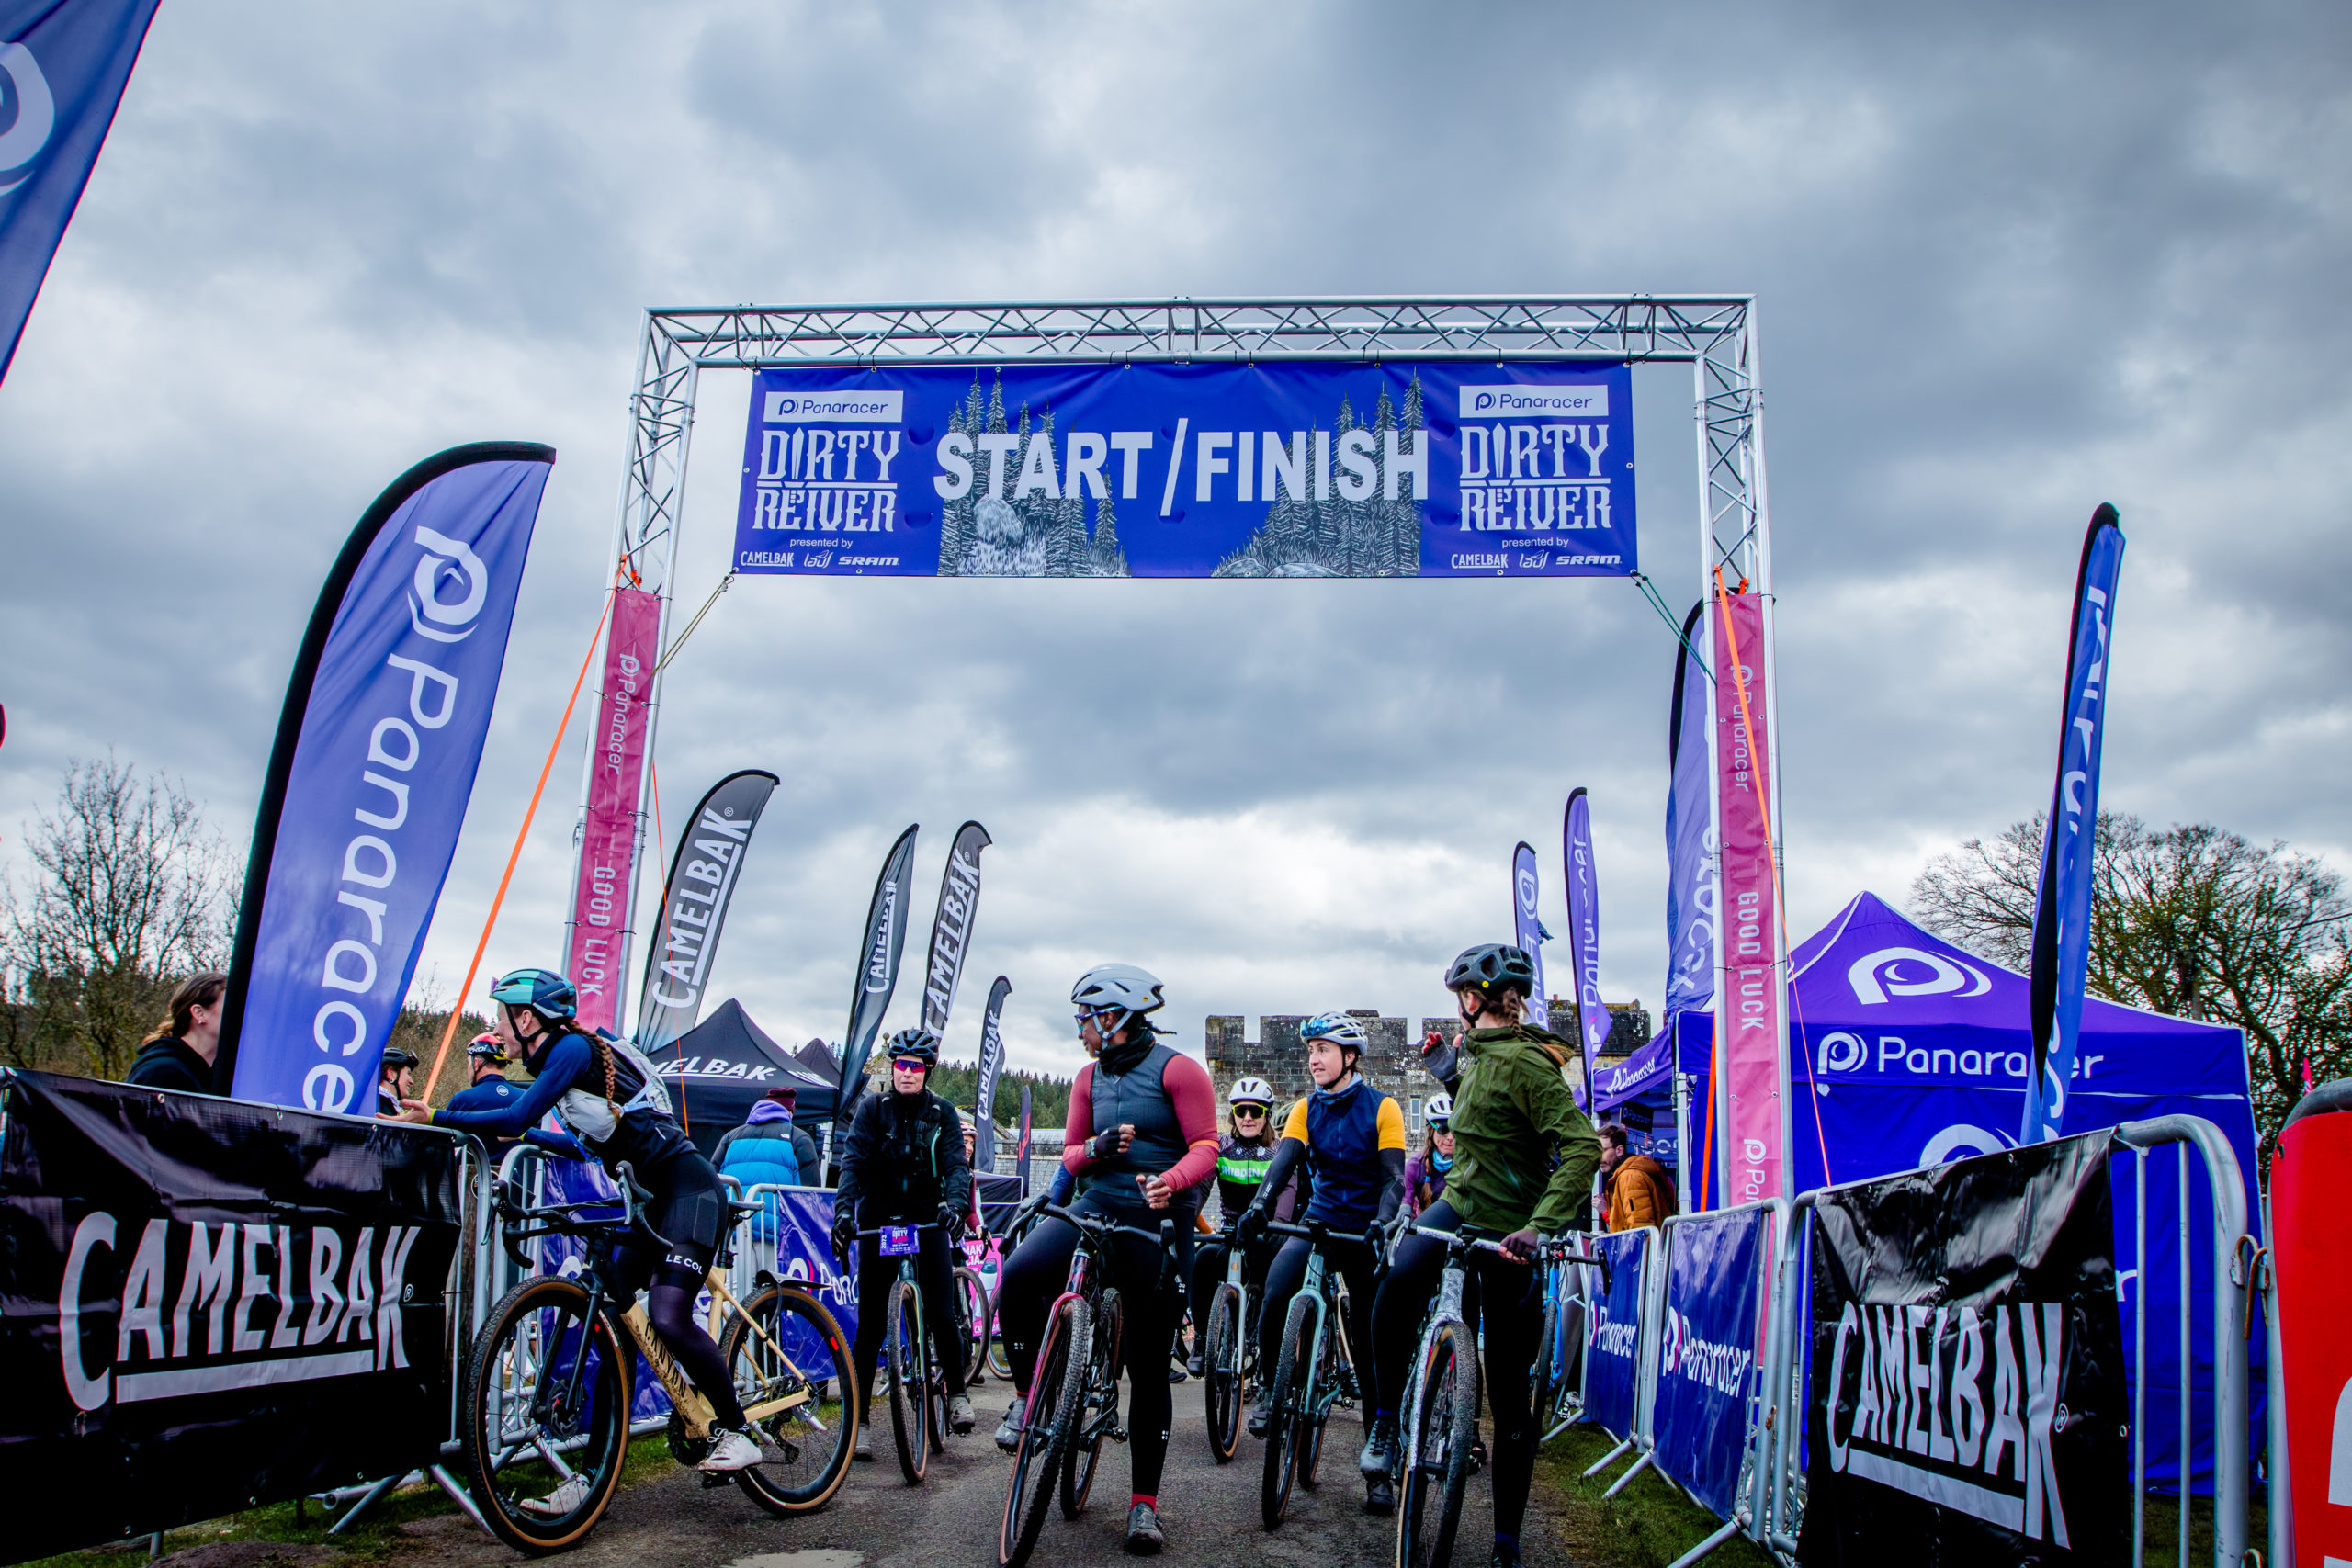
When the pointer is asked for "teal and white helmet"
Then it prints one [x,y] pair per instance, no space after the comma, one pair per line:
[1339,1028]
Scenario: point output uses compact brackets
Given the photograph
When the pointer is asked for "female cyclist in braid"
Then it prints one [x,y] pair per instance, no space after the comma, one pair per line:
[1141,1142]
[611,1098]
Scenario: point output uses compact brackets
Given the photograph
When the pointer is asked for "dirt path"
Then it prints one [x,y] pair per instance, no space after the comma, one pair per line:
[877,1521]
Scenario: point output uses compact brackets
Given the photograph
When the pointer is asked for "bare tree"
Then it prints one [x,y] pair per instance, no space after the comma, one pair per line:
[2193,921]
[130,892]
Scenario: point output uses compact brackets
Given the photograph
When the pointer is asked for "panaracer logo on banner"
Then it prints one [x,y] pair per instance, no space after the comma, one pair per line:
[1844,1053]
[1719,1367]
[187,1308]
[1876,976]
[1955,1407]
[1612,1338]
[783,407]
[25,92]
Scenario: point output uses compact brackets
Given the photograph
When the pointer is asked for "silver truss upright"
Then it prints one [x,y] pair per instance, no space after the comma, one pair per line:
[1713,333]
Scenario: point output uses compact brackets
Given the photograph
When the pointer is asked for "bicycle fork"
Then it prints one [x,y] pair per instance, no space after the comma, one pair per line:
[1447,1310]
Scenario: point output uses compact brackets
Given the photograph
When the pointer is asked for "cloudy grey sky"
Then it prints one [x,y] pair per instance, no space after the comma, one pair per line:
[2012,261]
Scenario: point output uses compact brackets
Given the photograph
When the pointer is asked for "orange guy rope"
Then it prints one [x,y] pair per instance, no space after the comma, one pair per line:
[457,1008]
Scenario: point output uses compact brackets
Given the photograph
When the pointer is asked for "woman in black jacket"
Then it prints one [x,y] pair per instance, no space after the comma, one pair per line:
[179,1053]
[903,1165]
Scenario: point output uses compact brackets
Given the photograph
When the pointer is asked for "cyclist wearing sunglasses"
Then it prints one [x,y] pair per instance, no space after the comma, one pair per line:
[903,1164]
[613,1099]
[1242,1156]
[1142,1142]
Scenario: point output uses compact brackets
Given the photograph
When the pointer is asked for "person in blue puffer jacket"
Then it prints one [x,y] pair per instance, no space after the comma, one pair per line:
[764,1149]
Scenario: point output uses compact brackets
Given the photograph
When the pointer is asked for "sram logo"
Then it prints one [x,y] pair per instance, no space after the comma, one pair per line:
[1944,976]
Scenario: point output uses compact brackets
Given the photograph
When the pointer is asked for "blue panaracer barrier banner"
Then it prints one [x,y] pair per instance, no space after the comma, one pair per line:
[377,748]
[1706,1369]
[1612,1363]
[1403,468]
[64,64]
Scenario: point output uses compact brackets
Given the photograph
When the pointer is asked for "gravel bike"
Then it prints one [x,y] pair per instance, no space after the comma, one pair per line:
[1073,1401]
[1314,1371]
[1556,1385]
[1229,1357]
[918,1379]
[548,1392]
[1440,1411]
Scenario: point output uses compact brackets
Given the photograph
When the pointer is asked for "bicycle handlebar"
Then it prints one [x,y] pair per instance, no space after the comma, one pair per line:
[1102,1226]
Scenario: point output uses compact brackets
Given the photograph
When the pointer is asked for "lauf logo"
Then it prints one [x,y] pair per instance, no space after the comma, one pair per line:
[1945,976]
[28,111]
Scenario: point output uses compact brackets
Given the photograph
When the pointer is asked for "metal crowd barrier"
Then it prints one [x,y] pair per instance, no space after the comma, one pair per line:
[1769,1508]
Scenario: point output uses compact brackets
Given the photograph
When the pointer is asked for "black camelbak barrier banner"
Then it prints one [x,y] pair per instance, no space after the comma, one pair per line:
[210,1304]
[1968,1400]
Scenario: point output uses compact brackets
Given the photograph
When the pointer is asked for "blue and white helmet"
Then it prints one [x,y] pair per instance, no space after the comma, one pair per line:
[1340,1029]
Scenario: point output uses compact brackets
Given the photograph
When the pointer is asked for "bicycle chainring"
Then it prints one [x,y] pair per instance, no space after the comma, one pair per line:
[688,1452]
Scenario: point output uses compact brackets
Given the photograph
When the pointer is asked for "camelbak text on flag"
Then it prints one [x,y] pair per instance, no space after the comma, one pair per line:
[711,848]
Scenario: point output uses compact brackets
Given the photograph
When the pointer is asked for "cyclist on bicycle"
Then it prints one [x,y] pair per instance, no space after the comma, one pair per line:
[902,1164]
[612,1101]
[1425,1173]
[1242,1155]
[1141,1141]
[1351,1139]
[1524,1157]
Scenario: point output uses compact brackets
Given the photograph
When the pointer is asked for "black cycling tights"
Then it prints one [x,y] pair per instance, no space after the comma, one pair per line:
[1507,1300]
[1033,1276]
[670,1303]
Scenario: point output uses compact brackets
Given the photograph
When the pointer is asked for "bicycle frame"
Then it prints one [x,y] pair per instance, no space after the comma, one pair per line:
[933,1371]
[1321,1287]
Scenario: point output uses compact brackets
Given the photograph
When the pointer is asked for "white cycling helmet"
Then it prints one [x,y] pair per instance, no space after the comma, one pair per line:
[1338,1028]
[1439,1109]
[1121,985]
[1251,1091]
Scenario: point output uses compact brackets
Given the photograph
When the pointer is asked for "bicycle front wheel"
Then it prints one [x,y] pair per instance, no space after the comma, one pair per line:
[909,1383]
[1055,1390]
[546,1403]
[972,1322]
[1293,1392]
[1097,1410]
[791,1366]
[1441,1427]
[1221,1359]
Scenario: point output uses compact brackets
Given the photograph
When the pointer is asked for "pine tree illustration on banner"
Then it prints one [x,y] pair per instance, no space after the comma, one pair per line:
[1023,528]
[1332,535]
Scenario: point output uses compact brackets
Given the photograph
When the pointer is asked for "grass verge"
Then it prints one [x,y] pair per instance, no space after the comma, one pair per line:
[1649,1525]
[388,1525]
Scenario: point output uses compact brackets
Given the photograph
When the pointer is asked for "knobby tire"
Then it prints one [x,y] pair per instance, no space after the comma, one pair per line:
[972,1308]
[1222,1362]
[1098,1407]
[526,1344]
[1429,1505]
[810,1441]
[1288,1429]
[1054,1389]
[909,1384]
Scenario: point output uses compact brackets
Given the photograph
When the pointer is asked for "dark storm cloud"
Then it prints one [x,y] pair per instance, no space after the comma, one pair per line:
[2013,261]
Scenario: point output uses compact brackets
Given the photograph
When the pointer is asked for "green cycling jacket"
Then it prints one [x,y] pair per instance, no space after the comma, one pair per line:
[1523,1154]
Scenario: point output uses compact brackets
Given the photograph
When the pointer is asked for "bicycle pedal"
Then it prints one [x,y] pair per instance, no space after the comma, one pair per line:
[1117,1434]
[713,1480]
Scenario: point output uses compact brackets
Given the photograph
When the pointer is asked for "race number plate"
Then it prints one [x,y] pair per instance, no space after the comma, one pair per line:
[898,1241]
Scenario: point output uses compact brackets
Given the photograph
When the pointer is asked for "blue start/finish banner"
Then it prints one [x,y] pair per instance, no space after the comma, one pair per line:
[1403,468]
[1706,1364]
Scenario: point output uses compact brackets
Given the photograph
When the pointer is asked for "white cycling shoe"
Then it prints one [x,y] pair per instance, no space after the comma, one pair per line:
[568,1495]
[733,1451]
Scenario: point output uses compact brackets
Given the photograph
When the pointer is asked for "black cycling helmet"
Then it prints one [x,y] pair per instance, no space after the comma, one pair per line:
[397,1057]
[544,991]
[1491,964]
[916,1043]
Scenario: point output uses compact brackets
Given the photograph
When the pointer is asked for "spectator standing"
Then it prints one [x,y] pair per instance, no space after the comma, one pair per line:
[491,1088]
[395,1081]
[179,1053]
[770,1120]
[1640,1191]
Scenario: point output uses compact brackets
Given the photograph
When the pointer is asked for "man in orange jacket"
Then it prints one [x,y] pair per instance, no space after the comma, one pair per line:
[1640,1191]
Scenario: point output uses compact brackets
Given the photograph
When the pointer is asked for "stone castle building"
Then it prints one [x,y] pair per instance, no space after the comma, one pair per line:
[1394,1062]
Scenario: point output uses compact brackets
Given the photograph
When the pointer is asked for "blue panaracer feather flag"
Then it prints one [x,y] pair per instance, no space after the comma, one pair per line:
[2061,915]
[64,64]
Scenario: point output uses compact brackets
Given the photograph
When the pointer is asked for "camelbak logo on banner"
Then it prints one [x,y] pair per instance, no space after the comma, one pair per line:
[1401,469]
